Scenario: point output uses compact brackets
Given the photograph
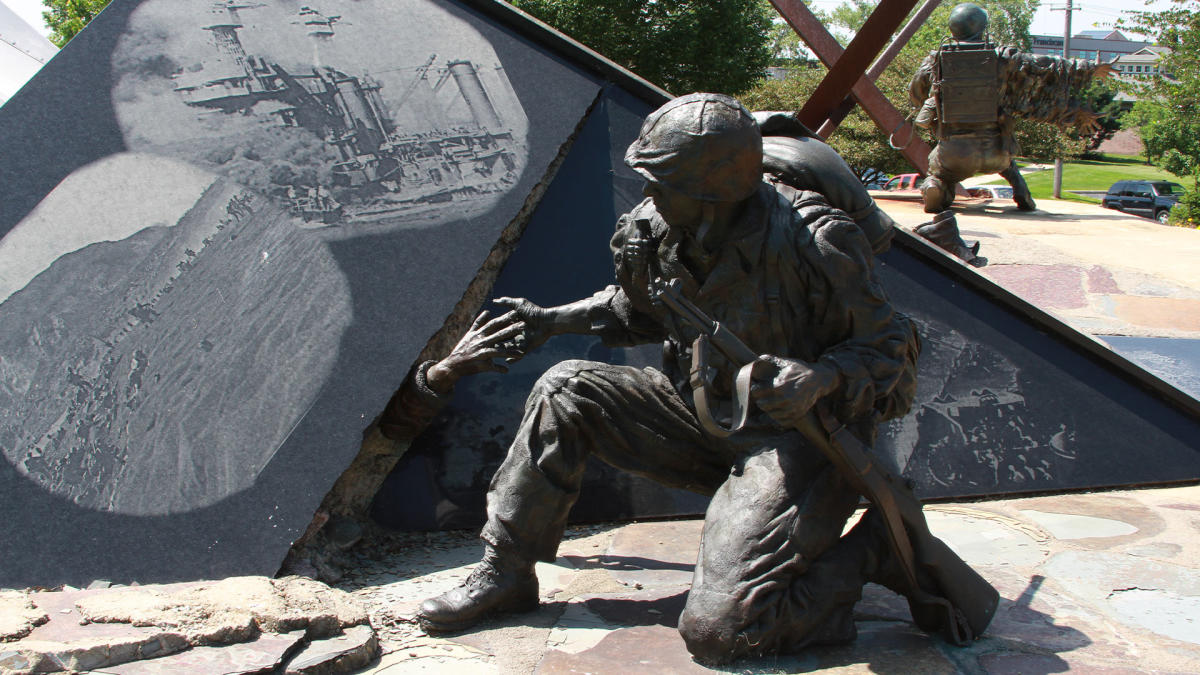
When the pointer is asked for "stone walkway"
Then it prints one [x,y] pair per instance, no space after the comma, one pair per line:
[1102,271]
[236,626]
[1097,583]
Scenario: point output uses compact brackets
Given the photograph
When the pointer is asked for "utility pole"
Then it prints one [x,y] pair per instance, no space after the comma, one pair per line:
[1058,163]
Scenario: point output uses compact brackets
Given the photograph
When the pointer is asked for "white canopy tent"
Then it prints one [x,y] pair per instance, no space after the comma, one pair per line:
[24,49]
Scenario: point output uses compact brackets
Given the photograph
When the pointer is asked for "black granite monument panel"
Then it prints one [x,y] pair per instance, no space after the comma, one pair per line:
[1006,404]
[563,256]
[229,228]
[1012,403]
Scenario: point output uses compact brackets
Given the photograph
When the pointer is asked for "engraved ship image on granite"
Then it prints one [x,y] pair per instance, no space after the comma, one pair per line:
[381,167]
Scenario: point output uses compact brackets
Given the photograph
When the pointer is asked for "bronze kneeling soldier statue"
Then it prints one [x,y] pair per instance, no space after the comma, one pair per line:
[782,355]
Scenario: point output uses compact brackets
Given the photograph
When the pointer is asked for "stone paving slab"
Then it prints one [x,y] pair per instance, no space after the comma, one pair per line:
[1096,583]
[1102,271]
[238,625]
[352,650]
[261,655]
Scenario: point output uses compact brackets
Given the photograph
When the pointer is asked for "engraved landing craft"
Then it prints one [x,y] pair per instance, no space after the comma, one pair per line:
[380,168]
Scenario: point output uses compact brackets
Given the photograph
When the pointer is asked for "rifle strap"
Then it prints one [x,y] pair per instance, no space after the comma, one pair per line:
[700,379]
[773,244]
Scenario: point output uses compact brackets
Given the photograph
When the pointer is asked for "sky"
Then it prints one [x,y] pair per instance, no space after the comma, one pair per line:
[1095,14]
[31,11]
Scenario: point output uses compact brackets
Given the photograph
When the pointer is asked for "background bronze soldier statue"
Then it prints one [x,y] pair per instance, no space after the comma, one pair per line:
[774,324]
[969,94]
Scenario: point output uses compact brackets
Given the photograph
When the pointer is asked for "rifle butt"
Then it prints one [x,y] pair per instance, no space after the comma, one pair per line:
[973,599]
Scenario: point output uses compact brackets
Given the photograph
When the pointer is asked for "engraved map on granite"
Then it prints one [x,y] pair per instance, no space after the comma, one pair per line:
[122,353]
[168,314]
[973,422]
[1004,405]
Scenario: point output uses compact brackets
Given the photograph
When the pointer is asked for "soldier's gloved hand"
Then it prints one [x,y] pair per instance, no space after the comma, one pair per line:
[539,322]
[636,253]
[786,389]
[478,350]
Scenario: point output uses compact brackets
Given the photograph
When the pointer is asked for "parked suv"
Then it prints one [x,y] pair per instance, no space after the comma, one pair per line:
[1149,198]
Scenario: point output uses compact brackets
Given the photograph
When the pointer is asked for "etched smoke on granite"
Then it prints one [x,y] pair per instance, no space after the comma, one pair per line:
[285,99]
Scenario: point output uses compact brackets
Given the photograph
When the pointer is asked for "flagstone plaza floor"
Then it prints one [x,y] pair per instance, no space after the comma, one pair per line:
[1094,583]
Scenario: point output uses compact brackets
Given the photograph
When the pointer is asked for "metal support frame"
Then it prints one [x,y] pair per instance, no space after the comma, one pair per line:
[846,75]
[885,59]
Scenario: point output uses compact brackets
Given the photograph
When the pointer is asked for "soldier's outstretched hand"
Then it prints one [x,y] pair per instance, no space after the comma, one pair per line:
[786,389]
[538,322]
[478,351]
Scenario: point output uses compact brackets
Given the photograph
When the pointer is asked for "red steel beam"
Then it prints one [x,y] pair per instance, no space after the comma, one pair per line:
[874,103]
[862,50]
[885,59]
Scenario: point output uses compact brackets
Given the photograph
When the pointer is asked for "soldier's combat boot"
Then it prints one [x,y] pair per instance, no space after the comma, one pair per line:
[937,195]
[500,584]
[943,231]
[1021,193]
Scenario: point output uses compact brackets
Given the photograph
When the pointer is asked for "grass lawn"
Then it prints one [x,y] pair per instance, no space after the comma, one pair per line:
[1088,174]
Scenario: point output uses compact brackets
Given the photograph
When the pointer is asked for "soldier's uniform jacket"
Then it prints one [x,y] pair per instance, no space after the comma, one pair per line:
[795,278]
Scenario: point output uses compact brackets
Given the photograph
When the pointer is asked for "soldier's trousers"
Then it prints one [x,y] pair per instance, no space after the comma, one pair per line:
[956,158]
[772,574]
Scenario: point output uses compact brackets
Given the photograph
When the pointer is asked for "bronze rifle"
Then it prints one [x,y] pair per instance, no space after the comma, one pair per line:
[943,590]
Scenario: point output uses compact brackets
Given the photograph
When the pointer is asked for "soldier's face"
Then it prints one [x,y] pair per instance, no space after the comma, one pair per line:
[676,208]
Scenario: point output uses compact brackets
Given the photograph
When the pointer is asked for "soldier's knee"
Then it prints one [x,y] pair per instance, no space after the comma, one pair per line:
[937,194]
[710,630]
[708,639]
[559,377]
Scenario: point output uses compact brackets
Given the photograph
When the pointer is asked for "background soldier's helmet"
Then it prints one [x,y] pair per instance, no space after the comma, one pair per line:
[706,146]
[968,22]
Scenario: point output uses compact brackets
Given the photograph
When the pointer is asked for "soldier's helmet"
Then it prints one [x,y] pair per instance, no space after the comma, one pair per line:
[706,146]
[968,22]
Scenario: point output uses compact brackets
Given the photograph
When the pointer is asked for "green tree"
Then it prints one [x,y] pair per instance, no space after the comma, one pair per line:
[857,140]
[1167,113]
[680,45]
[68,17]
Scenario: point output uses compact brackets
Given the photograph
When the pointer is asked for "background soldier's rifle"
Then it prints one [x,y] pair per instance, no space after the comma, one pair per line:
[943,591]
